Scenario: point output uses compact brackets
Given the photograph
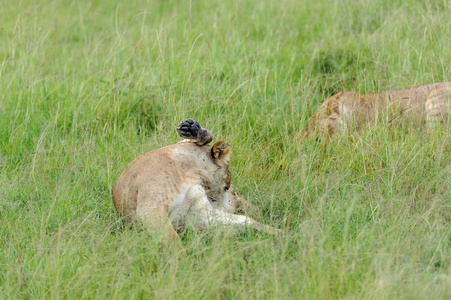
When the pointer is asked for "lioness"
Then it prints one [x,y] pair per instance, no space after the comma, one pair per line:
[430,103]
[188,182]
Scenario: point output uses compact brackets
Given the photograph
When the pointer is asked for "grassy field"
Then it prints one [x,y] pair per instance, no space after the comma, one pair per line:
[86,86]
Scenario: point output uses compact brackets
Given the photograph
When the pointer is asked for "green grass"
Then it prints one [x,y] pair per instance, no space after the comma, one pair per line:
[86,86]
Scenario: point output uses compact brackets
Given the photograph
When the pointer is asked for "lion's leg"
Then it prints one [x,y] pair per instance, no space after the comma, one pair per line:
[154,217]
[217,218]
[192,132]
[438,107]
[206,216]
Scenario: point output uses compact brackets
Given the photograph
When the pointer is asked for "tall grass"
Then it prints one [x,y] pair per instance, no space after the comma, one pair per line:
[86,86]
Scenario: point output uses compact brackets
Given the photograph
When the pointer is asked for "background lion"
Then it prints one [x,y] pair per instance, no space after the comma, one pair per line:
[428,104]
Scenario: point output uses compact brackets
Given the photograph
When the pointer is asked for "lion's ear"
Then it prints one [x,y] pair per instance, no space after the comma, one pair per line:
[220,152]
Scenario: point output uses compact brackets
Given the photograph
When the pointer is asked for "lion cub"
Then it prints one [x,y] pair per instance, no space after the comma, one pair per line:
[430,104]
[188,182]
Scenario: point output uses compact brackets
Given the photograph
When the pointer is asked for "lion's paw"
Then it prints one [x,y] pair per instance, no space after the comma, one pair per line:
[188,129]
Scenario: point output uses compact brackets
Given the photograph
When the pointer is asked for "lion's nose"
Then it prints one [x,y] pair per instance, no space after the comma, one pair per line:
[242,206]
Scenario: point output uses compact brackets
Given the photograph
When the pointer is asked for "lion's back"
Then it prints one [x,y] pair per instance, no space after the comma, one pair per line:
[161,172]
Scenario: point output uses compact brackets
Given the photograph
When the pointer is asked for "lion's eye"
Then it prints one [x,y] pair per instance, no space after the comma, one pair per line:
[226,188]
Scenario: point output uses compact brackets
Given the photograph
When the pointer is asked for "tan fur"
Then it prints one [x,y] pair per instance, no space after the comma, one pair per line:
[430,104]
[185,183]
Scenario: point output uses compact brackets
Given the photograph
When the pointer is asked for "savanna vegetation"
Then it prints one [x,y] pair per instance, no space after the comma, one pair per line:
[86,86]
